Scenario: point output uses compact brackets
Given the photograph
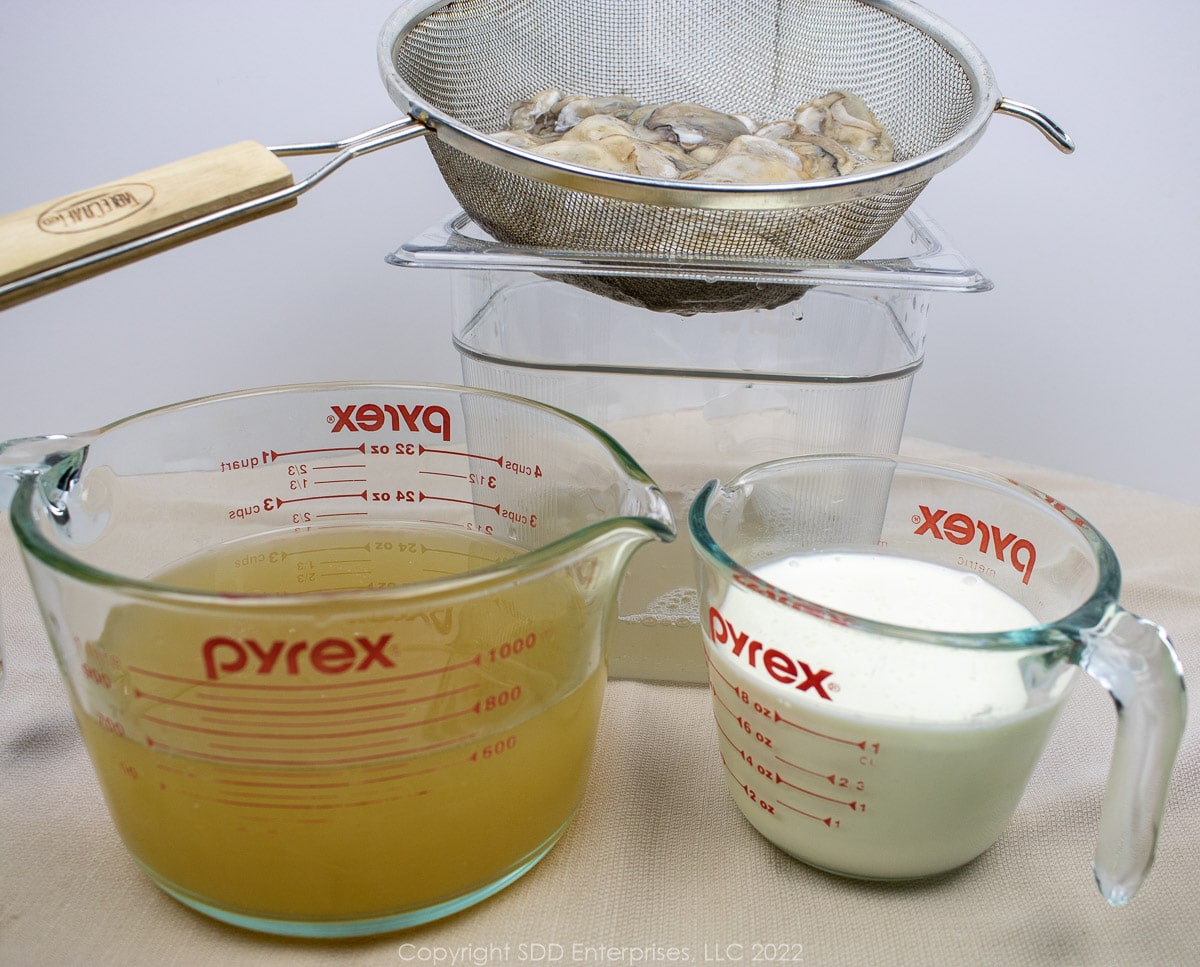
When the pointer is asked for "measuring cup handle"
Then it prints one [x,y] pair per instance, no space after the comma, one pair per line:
[1136,663]
[24,457]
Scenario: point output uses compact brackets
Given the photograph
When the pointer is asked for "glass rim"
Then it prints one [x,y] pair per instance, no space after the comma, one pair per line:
[26,504]
[1061,630]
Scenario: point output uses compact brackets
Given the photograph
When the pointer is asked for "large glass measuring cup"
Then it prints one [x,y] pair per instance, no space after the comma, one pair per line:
[889,645]
[336,651]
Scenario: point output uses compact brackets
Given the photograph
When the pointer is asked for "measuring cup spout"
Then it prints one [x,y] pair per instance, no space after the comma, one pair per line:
[1136,663]
[653,513]
[657,526]
[32,456]
[647,518]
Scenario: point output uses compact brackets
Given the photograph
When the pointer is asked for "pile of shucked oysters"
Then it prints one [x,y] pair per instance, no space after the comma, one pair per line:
[825,138]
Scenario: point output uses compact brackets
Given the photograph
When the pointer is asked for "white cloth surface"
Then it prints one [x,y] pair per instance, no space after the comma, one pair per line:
[658,865]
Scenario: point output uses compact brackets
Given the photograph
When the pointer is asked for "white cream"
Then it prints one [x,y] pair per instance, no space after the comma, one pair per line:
[868,754]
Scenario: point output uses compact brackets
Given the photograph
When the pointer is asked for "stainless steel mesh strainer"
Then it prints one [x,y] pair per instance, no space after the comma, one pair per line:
[457,66]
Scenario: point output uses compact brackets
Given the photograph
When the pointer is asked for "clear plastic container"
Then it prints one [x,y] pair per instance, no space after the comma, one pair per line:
[700,396]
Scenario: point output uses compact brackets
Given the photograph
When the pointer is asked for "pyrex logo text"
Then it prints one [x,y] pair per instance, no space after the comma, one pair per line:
[329,656]
[962,530]
[369,417]
[780,666]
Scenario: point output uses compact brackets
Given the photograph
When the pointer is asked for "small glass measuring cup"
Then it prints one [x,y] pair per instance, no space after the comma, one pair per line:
[336,651]
[889,645]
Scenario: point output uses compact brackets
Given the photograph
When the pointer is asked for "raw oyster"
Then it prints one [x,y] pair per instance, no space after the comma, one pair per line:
[616,153]
[846,119]
[750,159]
[533,116]
[830,136]
[594,127]
[571,110]
[691,125]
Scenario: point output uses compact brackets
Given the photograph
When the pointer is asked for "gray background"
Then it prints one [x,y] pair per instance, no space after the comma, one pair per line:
[1081,359]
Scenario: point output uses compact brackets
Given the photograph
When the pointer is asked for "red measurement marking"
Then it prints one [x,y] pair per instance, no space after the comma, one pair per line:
[282,712]
[832,778]
[276,454]
[309,800]
[499,461]
[750,794]
[726,765]
[305,736]
[343,480]
[816,795]
[458,525]
[269,798]
[717,672]
[222,715]
[274,804]
[313,551]
[308,761]
[318,699]
[821,735]
[342,784]
[476,659]
[827,820]
[779,718]
[227,716]
[720,701]
[349,513]
[396,743]
[296,500]
[422,497]
[774,776]
[737,748]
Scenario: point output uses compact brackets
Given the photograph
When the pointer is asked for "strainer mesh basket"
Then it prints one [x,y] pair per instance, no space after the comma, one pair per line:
[470,61]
